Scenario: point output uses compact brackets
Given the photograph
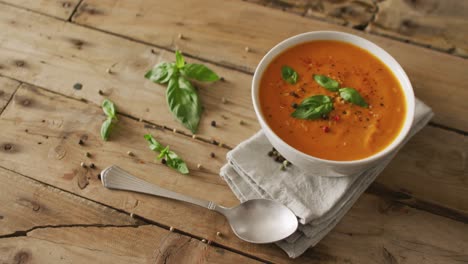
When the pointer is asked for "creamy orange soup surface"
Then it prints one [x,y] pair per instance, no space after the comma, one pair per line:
[349,131]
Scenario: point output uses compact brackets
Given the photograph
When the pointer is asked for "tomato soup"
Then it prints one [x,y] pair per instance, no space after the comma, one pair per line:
[348,131]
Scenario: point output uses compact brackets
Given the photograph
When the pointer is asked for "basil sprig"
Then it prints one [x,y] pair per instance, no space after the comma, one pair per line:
[353,96]
[289,74]
[313,107]
[327,82]
[348,94]
[109,109]
[182,98]
[171,159]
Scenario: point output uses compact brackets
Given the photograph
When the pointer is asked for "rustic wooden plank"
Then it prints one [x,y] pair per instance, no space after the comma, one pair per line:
[7,89]
[382,231]
[57,161]
[62,9]
[27,204]
[440,24]
[353,13]
[145,244]
[221,37]
[433,163]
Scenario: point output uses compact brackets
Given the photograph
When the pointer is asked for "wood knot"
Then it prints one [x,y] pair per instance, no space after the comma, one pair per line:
[78,43]
[22,257]
[19,63]
[407,25]
[8,147]
[26,102]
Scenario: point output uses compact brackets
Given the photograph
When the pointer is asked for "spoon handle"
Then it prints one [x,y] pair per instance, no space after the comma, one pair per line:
[114,177]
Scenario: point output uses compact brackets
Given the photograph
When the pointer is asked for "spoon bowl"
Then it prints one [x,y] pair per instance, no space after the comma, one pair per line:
[255,221]
[261,221]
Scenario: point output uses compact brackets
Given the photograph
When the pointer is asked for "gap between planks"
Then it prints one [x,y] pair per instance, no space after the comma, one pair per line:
[69,19]
[375,188]
[146,221]
[12,94]
[38,12]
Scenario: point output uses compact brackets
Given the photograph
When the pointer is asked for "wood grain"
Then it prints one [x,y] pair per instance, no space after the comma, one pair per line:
[7,89]
[57,159]
[353,13]
[144,244]
[439,24]
[27,204]
[146,100]
[58,8]
[436,24]
[57,55]
[221,37]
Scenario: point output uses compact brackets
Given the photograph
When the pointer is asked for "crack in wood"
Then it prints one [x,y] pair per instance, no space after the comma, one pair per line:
[74,10]
[406,199]
[21,233]
[11,96]
[388,257]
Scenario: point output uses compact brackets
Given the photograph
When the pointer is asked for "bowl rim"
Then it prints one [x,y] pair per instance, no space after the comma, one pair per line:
[376,51]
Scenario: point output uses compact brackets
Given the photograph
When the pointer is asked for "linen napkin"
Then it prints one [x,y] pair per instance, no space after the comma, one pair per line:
[318,202]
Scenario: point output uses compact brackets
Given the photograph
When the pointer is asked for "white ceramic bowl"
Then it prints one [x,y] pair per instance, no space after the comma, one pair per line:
[329,167]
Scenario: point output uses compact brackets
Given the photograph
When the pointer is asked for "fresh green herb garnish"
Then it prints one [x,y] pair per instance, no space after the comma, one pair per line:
[161,73]
[180,61]
[327,82]
[289,74]
[199,72]
[183,100]
[181,96]
[353,96]
[313,107]
[170,158]
[109,109]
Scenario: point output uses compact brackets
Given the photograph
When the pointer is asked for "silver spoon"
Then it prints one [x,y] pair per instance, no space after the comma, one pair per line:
[256,221]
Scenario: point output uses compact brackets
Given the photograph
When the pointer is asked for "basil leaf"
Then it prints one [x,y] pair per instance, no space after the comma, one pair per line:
[184,103]
[175,162]
[313,107]
[199,72]
[106,128]
[172,159]
[180,62]
[161,73]
[154,145]
[109,108]
[289,74]
[327,82]
[353,96]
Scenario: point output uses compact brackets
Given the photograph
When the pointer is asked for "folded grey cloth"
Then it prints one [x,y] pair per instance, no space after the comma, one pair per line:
[318,202]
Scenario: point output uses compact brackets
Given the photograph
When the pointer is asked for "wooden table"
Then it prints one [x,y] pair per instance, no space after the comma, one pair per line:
[55,211]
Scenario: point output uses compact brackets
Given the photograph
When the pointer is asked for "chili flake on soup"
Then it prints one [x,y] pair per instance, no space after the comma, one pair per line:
[332,100]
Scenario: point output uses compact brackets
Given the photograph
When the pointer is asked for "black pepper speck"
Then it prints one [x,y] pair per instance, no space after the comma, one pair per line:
[77,86]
